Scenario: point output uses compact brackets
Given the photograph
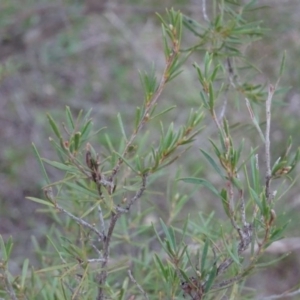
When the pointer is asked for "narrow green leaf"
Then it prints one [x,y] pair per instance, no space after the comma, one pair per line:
[40,201]
[78,120]
[164,112]
[77,140]
[204,255]
[9,246]
[109,143]
[217,151]
[204,99]
[232,252]
[3,249]
[161,267]
[207,63]
[169,235]
[272,262]
[54,126]
[211,97]
[90,209]
[85,131]
[61,152]
[178,207]
[121,126]
[64,291]
[127,163]
[182,252]
[225,202]
[167,140]
[137,117]
[201,181]
[174,74]
[82,189]
[237,183]
[214,73]
[265,206]
[239,151]
[24,272]
[122,292]
[200,75]
[193,26]
[256,198]
[57,267]
[213,163]
[69,118]
[211,278]
[53,244]
[60,166]
[169,249]
[277,234]
[40,162]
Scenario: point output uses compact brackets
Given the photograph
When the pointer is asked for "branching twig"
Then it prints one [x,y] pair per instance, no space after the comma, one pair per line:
[113,220]
[103,274]
[116,214]
[139,193]
[148,108]
[137,285]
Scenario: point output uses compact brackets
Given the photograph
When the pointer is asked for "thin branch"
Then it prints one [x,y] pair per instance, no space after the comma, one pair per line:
[231,82]
[231,213]
[113,220]
[224,106]
[215,119]
[227,282]
[246,238]
[148,108]
[101,219]
[284,295]
[103,274]
[137,285]
[267,142]
[80,221]
[205,16]
[95,260]
[139,193]
[9,287]
[243,209]
[97,250]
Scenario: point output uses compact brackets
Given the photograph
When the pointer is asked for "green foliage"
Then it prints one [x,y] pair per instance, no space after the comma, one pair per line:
[101,245]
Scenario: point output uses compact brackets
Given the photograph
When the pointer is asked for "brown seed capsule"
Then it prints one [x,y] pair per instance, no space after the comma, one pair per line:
[48,193]
[88,159]
[272,217]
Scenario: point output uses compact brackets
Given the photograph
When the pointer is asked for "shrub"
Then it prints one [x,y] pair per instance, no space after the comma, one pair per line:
[106,241]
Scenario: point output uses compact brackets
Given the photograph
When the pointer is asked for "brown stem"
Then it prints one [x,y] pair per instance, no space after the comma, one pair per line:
[103,274]
[148,108]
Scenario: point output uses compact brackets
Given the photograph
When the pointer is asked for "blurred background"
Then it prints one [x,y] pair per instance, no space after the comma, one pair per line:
[87,54]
